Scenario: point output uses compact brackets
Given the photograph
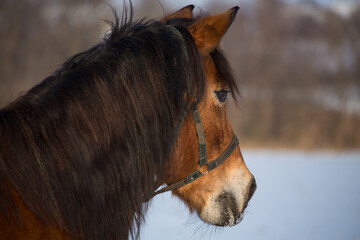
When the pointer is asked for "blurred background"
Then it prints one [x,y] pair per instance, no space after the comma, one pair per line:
[297,62]
[298,67]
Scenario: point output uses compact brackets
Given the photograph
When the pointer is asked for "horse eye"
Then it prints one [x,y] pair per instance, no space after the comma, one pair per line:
[221,95]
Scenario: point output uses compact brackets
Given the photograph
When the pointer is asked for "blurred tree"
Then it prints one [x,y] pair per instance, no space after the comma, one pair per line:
[298,64]
[296,67]
[37,35]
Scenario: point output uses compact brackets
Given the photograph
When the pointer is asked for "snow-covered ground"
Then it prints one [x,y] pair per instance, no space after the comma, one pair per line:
[300,195]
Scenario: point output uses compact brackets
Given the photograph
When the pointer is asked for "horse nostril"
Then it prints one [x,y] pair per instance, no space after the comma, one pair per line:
[252,189]
[226,197]
[227,200]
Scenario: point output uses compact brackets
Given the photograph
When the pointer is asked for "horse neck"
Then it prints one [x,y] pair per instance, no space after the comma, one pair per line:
[25,166]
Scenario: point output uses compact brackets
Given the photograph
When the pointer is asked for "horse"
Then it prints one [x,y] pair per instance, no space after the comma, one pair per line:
[84,151]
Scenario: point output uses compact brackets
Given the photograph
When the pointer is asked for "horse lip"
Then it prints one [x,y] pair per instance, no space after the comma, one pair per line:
[232,221]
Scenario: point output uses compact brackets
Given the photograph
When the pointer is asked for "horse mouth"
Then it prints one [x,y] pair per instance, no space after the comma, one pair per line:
[230,220]
[229,212]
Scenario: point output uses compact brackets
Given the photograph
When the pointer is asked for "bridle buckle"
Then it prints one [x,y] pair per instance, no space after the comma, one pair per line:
[190,96]
[200,168]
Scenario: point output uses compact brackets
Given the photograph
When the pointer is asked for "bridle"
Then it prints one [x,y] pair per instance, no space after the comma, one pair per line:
[203,159]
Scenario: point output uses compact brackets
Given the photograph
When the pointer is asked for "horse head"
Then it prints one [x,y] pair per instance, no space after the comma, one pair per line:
[219,196]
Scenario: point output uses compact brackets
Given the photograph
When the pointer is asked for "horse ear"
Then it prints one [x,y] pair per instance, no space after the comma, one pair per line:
[185,12]
[208,31]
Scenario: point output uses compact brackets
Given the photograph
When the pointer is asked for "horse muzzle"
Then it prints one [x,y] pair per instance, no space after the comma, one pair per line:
[227,208]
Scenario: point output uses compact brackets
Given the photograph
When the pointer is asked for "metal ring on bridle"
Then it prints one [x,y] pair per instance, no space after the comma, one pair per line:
[188,95]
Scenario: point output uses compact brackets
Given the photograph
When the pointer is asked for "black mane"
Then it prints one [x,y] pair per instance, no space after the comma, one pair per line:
[83,147]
